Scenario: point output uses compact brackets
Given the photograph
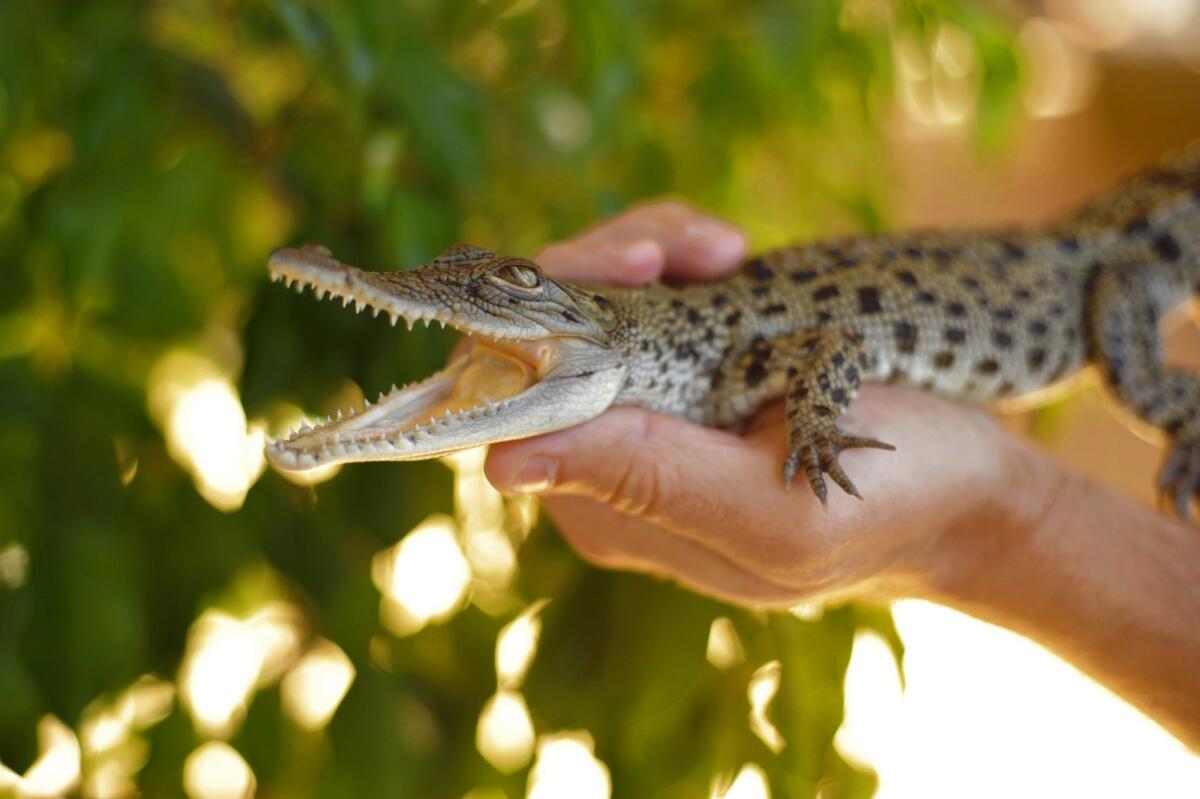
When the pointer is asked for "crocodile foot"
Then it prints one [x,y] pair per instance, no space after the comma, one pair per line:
[1179,479]
[817,453]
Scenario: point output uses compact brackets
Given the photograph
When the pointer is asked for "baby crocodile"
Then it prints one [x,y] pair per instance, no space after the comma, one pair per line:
[979,315]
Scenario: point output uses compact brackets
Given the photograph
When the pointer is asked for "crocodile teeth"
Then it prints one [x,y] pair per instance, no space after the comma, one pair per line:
[395,318]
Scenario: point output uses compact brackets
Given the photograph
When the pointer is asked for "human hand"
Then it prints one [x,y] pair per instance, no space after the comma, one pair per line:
[646,492]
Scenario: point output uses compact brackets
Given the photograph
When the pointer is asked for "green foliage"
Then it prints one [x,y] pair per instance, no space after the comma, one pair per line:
[153,154]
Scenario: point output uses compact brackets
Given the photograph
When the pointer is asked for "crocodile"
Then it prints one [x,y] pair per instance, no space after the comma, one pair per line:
[993,315]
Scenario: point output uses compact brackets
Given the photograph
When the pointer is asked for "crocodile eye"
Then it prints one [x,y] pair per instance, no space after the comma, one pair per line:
[523,276]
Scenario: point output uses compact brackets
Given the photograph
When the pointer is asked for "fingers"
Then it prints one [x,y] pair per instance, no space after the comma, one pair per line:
[709,486]
[645,243]
[619,541]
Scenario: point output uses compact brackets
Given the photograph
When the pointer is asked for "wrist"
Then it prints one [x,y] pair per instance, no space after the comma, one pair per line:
[1003,529]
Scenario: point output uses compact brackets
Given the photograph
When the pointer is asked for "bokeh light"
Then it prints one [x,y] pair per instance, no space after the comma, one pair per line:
[516,645]
[724,649]
[1063,75]
[567,768]
[205,427]
[227,658]
[316,685]
[56,771]
[481,513]
[750,783]
[764,684]
[504,735]
[215,770]
[14,565]
[423,578]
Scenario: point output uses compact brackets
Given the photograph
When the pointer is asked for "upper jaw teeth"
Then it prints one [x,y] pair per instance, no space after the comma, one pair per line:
[360,303]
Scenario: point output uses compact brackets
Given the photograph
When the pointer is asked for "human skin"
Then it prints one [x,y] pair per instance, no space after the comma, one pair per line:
[962,513]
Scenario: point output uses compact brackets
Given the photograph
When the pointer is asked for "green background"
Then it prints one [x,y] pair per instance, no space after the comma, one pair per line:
[153,154]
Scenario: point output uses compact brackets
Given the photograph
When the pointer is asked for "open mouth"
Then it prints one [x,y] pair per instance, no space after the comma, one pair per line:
[417,421]
[477,383]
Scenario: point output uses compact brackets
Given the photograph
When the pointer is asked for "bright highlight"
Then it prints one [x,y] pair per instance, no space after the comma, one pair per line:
[316,685]
[504,735]
[215,770]
[423,578]
[566,768]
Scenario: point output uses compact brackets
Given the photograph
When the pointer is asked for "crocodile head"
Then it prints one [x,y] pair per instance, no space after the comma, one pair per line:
[538,356]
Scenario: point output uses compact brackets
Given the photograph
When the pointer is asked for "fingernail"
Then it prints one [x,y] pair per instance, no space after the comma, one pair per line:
[535,475]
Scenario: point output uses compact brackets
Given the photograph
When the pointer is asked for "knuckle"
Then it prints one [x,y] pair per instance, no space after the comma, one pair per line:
[643,486]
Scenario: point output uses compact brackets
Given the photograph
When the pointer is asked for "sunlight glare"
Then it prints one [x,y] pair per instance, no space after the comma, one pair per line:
[316,685]
[764,684]
[423,578]
[750,783]
[517,644]
[567,768]
[724,650]
[215,770]
[980,699]
[504,735]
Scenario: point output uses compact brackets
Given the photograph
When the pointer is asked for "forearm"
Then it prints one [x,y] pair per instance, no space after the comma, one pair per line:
[1107,584]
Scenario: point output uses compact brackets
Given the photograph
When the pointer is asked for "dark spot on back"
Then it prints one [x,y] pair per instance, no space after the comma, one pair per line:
[943,360]
[733,318]
[868,300]
[906,277]
[925,298]
[693,316]
[1013,250]
[803,276]
[757,268]
[1038,327]
[719,300]
[1004,314]
[1167,248]
[774,309]
[988,366]
[1001,339]
[826,293]
[1037,357]
[1137,227]
[906,337]
[760,291]
[838,396]
[756,372]
[955,335]
[956,309]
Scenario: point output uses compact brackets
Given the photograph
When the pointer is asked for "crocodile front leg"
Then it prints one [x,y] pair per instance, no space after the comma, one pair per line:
[824,369]
[817,371]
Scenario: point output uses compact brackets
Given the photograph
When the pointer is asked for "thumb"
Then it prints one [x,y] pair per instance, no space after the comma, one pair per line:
[657,467]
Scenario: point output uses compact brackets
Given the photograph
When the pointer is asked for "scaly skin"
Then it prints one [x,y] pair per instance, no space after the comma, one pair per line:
[996,315]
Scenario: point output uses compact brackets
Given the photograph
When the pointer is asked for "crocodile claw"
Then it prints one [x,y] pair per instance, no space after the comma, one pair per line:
[817,454]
